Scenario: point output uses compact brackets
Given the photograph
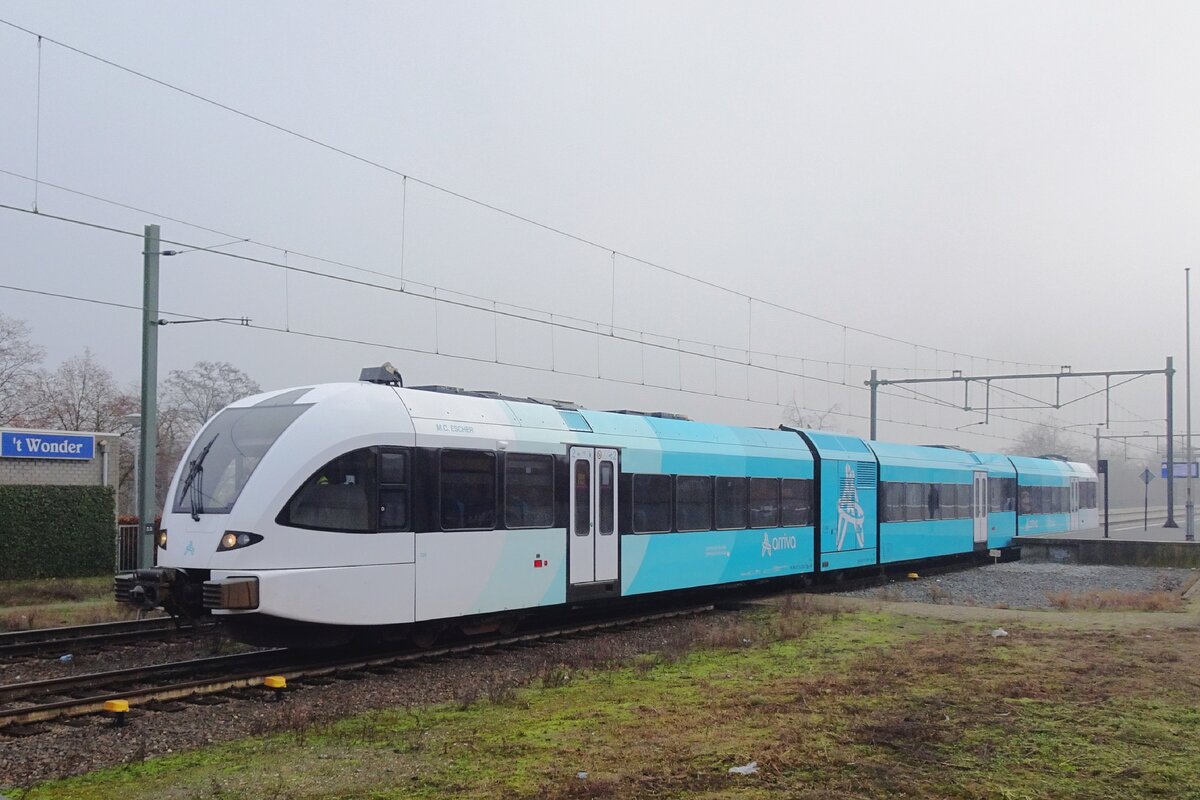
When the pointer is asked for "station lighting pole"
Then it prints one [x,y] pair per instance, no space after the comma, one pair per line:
[1189,506]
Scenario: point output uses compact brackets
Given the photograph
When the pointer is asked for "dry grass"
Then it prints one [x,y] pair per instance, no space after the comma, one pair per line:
[55,602]
[1116,600]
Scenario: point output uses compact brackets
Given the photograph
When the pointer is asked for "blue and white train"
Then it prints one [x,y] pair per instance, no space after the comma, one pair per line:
[322,513]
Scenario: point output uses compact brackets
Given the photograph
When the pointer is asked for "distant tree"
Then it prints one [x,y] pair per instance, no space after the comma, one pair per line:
[190,398]
[195,395]
[20,360]
[81,395]
[808,419]
[1045,438]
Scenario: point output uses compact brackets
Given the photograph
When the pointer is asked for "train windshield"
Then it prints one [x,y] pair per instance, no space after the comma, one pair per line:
[225,455]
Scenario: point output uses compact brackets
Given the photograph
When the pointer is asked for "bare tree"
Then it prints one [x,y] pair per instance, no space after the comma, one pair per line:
[796,417]
[1045,438]
[81,395]
[19,363]
[196,394]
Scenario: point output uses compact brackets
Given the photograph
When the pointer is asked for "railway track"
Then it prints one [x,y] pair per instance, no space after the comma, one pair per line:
[86,637]
[23,705]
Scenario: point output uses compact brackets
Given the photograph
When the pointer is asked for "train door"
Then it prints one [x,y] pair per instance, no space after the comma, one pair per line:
[1074,507]
[979,509]
[593,532]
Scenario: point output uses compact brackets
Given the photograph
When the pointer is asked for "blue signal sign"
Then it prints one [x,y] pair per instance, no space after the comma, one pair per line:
[72,446]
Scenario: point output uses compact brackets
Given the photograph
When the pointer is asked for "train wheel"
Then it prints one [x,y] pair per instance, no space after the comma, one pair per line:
[425,634]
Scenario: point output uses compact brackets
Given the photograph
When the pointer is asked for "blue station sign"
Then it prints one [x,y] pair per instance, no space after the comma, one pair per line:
[47,445]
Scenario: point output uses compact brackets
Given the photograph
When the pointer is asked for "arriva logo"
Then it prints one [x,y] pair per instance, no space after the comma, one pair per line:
[190,550]
[785,542]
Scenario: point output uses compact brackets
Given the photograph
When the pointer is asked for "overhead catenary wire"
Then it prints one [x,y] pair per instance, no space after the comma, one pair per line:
[713,356]
[374,163]
[420,351]
[405,283]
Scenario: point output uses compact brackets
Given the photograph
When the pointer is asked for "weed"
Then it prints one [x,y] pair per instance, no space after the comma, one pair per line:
[937,594]
[554,676]
[500,692]
[465,697]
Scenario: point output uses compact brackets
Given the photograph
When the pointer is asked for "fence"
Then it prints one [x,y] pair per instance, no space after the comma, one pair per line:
[127,547]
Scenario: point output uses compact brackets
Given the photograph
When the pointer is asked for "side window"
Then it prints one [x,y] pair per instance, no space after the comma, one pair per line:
[963,491]
[764,502]
[393,489]
[340,496]
[583,497]
[467,490]
[651,503]
[935,510]
[528,490]
[693,503]
[607,487]
[914,501]
[797,501]
[730,503]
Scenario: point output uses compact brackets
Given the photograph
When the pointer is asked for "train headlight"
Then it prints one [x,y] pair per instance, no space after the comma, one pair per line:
[233,540]
[162,540]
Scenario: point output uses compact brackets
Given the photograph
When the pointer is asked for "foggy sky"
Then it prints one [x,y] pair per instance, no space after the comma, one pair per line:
[1012,180]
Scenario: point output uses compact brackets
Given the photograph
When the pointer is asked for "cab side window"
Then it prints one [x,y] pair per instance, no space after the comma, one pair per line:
[340,496]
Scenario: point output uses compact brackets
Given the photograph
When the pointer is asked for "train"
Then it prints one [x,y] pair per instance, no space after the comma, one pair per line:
[339,512]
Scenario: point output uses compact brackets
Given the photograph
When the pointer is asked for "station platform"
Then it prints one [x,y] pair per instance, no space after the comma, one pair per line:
[1126,546]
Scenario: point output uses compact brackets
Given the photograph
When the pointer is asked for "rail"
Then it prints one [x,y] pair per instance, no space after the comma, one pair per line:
[42,701]
[77,637]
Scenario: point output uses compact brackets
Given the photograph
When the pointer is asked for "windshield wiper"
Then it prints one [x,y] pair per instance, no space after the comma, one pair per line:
[195,469]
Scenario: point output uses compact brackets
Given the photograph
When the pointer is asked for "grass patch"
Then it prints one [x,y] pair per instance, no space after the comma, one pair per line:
[830,705]
[53,602]
[1116,600]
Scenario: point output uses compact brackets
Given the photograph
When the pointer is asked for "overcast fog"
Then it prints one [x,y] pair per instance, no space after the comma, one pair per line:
[994,187]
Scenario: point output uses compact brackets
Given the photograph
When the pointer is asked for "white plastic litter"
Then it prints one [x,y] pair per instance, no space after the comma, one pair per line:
[67,659]
[581,775]
[745,769]
[999,632]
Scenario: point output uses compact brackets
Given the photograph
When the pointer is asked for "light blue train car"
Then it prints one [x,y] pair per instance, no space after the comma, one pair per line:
[702,505]
[930,502]
[1054,496]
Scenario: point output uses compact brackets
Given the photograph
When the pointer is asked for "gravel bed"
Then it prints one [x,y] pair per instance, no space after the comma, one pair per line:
[1022,584]
[21,669]
[89,743]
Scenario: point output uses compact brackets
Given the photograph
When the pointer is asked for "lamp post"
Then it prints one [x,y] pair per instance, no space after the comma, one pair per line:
[135,422]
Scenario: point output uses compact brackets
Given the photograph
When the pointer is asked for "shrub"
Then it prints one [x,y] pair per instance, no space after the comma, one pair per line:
[56,531]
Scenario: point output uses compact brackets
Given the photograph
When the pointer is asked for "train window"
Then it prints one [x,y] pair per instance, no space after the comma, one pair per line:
[914,501]
[730,503]
[528,490]
[963,505]
[764,502]
[467,490]
[393,489]
[651,503]
[693,503]
[607,488]
[393,466]
[797,502]
[233,444]
[337,497]
[583,497]
[934,507]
